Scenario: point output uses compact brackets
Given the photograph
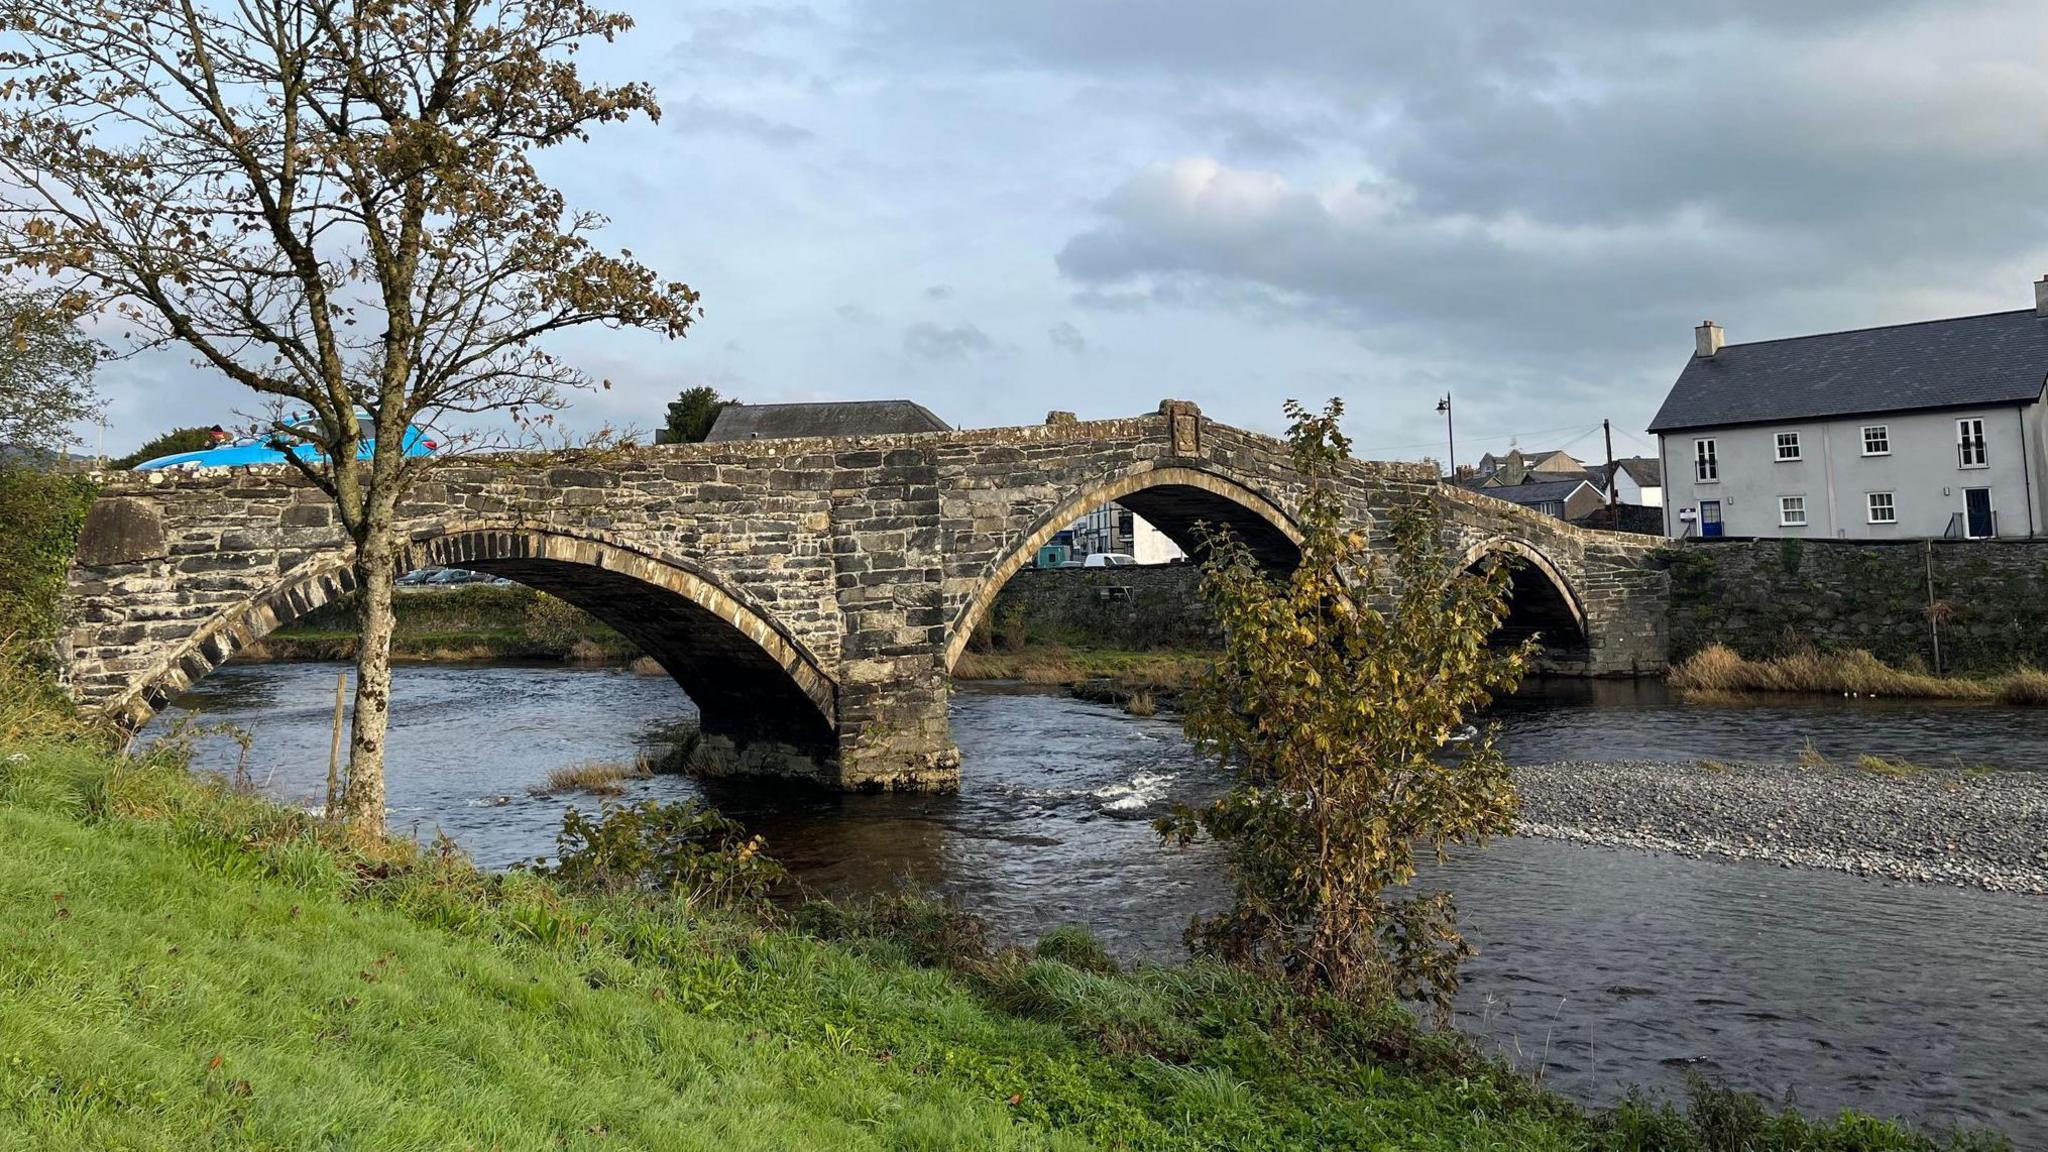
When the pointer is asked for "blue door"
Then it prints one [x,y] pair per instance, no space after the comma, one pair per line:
[1978,523]
[1710,518]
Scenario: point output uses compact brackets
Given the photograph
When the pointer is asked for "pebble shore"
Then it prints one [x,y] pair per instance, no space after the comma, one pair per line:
[1942,826]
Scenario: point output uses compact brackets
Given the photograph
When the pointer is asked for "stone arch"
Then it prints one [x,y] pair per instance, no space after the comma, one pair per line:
[1175,498]
[1541,601]
[749,677]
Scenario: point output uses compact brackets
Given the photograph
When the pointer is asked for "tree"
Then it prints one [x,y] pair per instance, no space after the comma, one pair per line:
[691,415]
[333,203]
[46,367]
[1331,703]
[174,441]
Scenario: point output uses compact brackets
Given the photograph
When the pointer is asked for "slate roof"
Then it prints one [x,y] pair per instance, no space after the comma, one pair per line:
[1997,358]
[828,418]
[1530,495]
[1647,471]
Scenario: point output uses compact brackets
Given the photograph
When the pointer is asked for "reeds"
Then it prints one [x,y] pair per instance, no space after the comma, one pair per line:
[1718,668]
[596,777]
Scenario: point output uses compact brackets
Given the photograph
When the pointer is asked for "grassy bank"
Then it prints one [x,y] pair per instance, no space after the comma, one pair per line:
[1720,669]
[185,966]
[464,623]
[1159,670]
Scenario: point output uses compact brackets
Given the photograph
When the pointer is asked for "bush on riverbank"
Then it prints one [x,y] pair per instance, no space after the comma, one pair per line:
[1717,668]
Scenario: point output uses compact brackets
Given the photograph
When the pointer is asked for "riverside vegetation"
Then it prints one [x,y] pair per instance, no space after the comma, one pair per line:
[1718,668]
[462,623]
[188,965]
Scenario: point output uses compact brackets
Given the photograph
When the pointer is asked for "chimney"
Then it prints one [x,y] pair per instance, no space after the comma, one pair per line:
[2041,296]
[1708,337]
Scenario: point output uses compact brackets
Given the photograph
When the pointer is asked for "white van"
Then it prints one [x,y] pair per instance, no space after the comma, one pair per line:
[1109,560]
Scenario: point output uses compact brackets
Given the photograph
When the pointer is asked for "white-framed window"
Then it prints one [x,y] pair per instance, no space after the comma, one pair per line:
[1877,440]
[1882,510]
[1792,511]
[1706,466]
[1788,446]
[1971,451]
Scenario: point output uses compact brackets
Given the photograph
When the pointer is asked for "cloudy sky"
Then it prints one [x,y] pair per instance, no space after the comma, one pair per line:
[1000,209]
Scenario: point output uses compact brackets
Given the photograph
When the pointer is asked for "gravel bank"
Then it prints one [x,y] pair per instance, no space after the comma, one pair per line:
[1980,830]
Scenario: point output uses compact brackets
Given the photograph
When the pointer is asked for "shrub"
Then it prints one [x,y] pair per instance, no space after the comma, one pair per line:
[176,440]
[684,851]
[1075,946]
[43,512]
[927,932]
[1335,692]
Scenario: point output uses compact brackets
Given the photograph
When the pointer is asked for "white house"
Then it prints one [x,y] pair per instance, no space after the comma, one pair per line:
[1114,528]
[1931,429]
[1639,480]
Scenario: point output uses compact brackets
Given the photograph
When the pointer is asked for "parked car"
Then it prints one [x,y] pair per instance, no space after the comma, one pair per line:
[451,576]
[417,577]
[1109,560]
[270,449]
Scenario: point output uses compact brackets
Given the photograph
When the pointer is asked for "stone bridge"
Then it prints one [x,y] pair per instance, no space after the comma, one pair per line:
[809,595]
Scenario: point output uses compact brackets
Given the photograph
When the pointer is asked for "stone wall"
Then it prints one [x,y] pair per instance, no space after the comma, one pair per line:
[1764,597]
[1156,606]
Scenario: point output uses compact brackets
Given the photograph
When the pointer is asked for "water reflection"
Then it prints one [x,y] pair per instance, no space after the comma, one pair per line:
[1605,968]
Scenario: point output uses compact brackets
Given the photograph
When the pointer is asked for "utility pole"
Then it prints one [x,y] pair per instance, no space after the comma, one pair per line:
[1613,517]
[1450,433]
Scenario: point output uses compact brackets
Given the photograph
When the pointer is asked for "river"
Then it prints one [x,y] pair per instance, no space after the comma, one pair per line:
[1599,968]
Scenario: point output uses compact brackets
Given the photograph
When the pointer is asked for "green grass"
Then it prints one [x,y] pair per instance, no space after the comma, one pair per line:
[183,966]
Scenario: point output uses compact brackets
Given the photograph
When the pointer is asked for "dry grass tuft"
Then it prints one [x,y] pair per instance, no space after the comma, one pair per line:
[1718,669]
[646,666]
[1141,703]
[1897,769]
[597,778]
[1812,757]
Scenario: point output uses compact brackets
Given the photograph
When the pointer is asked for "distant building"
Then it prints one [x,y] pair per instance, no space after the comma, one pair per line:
[1571,499]
[1517,466]
[1639,480]
[823,418]
[1929,429]
[1114,528]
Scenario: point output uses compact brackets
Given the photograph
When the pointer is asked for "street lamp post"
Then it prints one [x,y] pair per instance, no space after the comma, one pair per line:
[1450,434]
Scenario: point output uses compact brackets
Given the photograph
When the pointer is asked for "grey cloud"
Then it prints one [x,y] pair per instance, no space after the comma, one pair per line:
[1067,338]
[937,343]
[854,314]
[726,41]
[697,116]
[939,292]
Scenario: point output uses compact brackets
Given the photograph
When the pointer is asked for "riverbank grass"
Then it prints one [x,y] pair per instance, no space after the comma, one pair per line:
[1060,664]
[186,965]
[1719,669]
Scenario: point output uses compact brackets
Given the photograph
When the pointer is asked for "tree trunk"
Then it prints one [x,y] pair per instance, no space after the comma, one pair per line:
[362,801]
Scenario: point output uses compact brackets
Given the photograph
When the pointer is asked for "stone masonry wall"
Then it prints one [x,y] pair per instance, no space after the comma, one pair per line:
[1765,597]
[1137,608]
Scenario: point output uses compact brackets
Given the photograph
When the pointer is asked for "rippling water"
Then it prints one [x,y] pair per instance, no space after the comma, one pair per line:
[1603,968]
